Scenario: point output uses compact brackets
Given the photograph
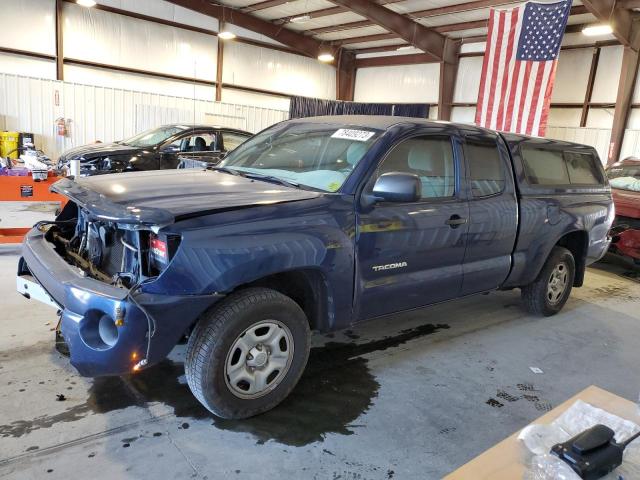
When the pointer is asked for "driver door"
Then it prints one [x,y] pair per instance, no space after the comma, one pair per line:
[410,255]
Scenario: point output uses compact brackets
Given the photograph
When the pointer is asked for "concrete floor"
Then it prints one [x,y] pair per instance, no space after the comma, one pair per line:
[408,396]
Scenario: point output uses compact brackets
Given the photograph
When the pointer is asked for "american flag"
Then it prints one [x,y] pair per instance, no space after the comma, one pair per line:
[520,65]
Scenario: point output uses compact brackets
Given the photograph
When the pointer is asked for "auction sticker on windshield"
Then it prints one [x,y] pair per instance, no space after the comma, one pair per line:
[351,134]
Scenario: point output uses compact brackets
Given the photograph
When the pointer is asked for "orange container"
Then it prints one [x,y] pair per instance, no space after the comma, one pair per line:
[26,189]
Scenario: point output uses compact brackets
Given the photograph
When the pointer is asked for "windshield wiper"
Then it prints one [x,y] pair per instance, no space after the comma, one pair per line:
[230,171]
[271,178]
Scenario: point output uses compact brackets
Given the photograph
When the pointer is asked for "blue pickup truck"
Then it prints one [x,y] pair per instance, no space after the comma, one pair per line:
[313,224]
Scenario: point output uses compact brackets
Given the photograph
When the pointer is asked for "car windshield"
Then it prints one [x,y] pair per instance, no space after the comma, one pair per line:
[625,177]
[154,136]
[315,155]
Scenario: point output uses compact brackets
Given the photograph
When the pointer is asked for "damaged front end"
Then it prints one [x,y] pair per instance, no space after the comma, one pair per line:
[119,254]
[109,242]
[94,263]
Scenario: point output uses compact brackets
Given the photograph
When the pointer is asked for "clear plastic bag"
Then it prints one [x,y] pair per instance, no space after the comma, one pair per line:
[538,440]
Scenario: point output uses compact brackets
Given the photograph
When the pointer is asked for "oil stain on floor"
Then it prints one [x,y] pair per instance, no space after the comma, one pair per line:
[335,389]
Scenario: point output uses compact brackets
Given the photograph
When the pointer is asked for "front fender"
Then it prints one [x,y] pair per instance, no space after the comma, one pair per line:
[220,252]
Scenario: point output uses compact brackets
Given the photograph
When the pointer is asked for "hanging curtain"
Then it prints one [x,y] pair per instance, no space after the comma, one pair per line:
[301,107]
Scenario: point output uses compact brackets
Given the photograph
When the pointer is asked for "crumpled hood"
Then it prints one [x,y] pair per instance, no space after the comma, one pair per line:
[94,150]
[161,195]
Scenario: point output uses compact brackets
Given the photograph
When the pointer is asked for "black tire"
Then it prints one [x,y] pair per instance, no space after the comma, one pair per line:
[215,334]
[536,297]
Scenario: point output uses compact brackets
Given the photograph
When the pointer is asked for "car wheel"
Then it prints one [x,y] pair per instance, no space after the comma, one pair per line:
[247,353]
[550,291]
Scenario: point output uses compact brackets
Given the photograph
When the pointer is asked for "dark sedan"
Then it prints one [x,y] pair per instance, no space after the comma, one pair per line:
[155,149]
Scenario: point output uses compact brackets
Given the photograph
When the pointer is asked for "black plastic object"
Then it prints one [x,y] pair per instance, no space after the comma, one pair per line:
[591,454]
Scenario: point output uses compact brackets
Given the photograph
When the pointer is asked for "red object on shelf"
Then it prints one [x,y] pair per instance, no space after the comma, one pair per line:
[12,235]
[26,189]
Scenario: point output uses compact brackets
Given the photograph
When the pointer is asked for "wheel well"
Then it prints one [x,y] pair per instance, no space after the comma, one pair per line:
[307,287]
[577,243]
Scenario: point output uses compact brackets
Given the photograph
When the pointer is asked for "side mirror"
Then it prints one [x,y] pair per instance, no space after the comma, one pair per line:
[397,187]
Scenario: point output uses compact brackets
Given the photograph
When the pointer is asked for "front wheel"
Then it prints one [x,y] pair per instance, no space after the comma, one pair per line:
[247,353]
[550,291]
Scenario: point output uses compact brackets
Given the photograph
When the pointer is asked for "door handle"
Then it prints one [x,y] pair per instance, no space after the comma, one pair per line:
[455,221]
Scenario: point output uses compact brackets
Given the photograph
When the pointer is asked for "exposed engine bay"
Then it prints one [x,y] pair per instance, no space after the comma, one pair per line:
[101,249]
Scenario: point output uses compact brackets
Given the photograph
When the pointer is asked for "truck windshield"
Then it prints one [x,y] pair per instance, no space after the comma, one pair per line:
[625,177]
[153,137]
[316,155]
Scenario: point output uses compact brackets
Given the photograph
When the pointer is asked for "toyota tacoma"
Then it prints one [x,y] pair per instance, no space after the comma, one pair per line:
[313,224]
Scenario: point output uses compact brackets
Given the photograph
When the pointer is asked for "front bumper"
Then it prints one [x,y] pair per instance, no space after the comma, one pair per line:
[106,328]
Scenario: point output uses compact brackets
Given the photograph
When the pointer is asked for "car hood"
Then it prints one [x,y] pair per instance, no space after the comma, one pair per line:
[93,150]
[159,197]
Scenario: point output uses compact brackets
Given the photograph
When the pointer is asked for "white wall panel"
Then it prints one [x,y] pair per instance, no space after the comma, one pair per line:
[403,83]
[27,66]
[243,32]
[166,11]
[600,118]
[636,91]
[28,25]
[572,75]
[473,47]
[267,69]
[107,114]
[463,114]
[596,137]
[605,87]
[564,117]
[112,39]
[230,95]
[634,119]
[630,144]
[468,80]
[109,78]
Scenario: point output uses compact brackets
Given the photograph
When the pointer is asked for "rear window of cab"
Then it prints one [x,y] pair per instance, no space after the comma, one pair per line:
[549,167]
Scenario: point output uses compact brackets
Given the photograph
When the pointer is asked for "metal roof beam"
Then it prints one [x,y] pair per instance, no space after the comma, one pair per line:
[426,39]
[622,21]
[301,43]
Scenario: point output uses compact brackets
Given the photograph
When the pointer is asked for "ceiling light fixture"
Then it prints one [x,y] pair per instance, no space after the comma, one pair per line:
[595,30]
[86,3]
[300,19]
[226,35]
[326,57]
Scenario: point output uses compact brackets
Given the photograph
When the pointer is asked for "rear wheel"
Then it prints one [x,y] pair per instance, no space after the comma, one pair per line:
[550,291]
[247,353]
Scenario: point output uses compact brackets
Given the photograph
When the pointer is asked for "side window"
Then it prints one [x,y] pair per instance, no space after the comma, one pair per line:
[196,143]
[430,158]
[486,167]
[582,169]
[232,140]
[544,167]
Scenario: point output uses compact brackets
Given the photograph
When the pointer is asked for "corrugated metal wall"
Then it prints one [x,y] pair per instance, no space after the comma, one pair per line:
[108,114]
[598,138]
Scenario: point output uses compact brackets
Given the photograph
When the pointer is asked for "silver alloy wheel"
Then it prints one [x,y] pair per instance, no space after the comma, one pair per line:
[557,283]
[259,359]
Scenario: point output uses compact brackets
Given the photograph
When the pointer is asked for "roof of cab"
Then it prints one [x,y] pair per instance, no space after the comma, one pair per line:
[380,122]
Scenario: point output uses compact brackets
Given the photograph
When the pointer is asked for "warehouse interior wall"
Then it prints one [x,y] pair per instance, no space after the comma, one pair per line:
[265,77]
[95,113]
[110,39]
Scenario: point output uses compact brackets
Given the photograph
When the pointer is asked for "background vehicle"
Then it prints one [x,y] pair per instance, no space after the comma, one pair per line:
[624,177]
[313,224]
[155,149]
